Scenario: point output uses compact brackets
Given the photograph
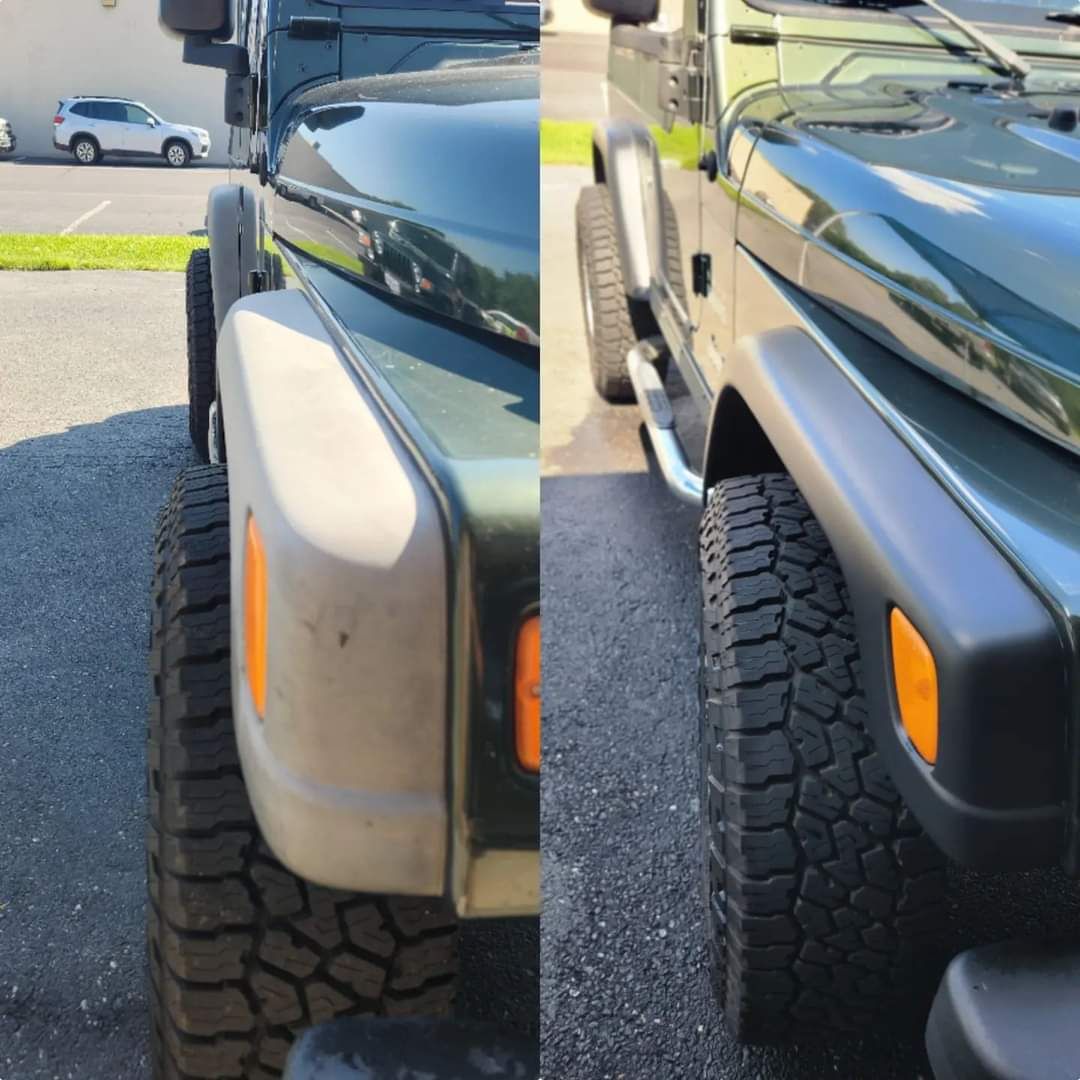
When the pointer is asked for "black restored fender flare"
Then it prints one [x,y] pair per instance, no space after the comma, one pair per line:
[995,797]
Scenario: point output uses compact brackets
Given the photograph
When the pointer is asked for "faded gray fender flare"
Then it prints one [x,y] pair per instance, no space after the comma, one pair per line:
[346,792]
[628,163]
[232,226]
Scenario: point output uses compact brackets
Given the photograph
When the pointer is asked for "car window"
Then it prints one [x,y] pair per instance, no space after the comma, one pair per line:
[84,109]
[110,110]
[135,114]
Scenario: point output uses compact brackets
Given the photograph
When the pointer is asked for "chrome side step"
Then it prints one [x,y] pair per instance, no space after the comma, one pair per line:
[659,418]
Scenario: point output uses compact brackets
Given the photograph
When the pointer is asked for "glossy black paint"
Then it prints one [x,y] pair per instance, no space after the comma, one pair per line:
[944,222]
[446,218]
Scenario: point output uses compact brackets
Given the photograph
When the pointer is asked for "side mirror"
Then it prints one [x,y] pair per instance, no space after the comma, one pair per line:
[205,18]
[624,11]
[151,122]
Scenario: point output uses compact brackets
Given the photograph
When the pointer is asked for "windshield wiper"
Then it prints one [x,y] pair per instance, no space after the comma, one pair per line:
[1010,61]
[1013,63]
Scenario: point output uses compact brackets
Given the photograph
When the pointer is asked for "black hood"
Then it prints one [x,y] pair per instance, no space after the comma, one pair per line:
[943,220]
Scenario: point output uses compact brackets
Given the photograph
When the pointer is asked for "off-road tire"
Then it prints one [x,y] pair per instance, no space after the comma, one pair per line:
[89,159]
[201,349]
[242,953]
[824,894]
[617,323]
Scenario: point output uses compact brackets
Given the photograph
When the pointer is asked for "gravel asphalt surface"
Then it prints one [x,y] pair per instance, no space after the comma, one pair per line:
[92,433]
[625,989]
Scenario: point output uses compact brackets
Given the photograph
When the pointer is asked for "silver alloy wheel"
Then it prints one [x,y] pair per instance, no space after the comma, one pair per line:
[176,155]
[84,151]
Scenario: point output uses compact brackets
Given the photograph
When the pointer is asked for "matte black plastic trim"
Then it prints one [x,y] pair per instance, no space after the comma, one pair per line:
[1007,1012]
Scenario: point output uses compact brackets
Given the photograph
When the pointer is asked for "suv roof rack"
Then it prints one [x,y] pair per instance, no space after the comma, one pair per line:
[99,97]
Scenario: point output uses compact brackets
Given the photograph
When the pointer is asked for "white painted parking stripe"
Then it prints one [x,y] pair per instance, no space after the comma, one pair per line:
[86,217]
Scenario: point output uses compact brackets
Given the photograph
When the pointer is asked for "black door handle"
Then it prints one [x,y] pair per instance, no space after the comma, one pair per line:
[709,165]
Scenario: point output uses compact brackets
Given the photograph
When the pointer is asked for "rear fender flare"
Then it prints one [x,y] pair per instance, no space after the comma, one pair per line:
[232,227]
[625,159]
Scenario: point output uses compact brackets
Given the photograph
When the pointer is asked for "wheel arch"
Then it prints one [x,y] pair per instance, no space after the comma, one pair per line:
[83,135]
[177,139]
[902,540]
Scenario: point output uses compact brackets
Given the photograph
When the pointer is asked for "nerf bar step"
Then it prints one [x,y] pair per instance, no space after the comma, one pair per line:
[659,419]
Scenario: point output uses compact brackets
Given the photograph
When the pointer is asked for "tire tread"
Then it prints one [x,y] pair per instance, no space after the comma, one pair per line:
[242,953]
[824,893]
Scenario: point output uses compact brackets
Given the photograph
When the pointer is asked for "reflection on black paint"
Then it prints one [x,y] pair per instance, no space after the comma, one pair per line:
[427,187]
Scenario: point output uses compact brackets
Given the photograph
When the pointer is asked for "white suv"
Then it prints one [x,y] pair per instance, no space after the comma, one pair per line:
[91,127]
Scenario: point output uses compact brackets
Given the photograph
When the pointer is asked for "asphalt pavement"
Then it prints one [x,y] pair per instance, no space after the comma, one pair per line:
[625,993]
[573,86]
[93,430]
[113,197]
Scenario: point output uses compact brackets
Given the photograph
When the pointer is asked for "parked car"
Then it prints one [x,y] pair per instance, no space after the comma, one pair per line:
[94,127]
[8,142]
[344,734]
[863,269]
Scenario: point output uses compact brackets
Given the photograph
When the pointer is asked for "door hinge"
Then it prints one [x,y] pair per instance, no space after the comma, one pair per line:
[240,95]
[701,269]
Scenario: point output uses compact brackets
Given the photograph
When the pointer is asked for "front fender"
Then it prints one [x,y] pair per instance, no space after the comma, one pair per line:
[347,771]
[995,795]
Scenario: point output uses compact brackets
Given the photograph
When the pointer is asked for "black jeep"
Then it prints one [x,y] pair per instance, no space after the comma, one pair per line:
[852,229]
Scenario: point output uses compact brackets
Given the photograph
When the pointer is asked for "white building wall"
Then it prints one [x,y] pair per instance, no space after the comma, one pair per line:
[50,49]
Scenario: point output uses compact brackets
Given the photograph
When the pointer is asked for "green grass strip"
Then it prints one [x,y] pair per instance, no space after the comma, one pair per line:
[569,142]
[31,251]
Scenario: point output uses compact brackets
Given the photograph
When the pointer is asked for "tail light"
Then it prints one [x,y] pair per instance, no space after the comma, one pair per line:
[57,120]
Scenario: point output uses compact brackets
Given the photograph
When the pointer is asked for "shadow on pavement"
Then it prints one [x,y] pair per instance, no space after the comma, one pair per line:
[626,989]
[77,513]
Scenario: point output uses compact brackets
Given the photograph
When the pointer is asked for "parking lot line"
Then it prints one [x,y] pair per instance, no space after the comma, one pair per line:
[85,217]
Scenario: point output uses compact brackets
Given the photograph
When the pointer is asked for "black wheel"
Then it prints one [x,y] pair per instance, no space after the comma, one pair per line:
[242,953]
[85,151]
[178,154]
[614,324]
[824,893]
[201,349]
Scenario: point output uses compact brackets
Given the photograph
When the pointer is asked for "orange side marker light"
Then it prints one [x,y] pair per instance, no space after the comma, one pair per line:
[527,694]
[255,615]
[915,676]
